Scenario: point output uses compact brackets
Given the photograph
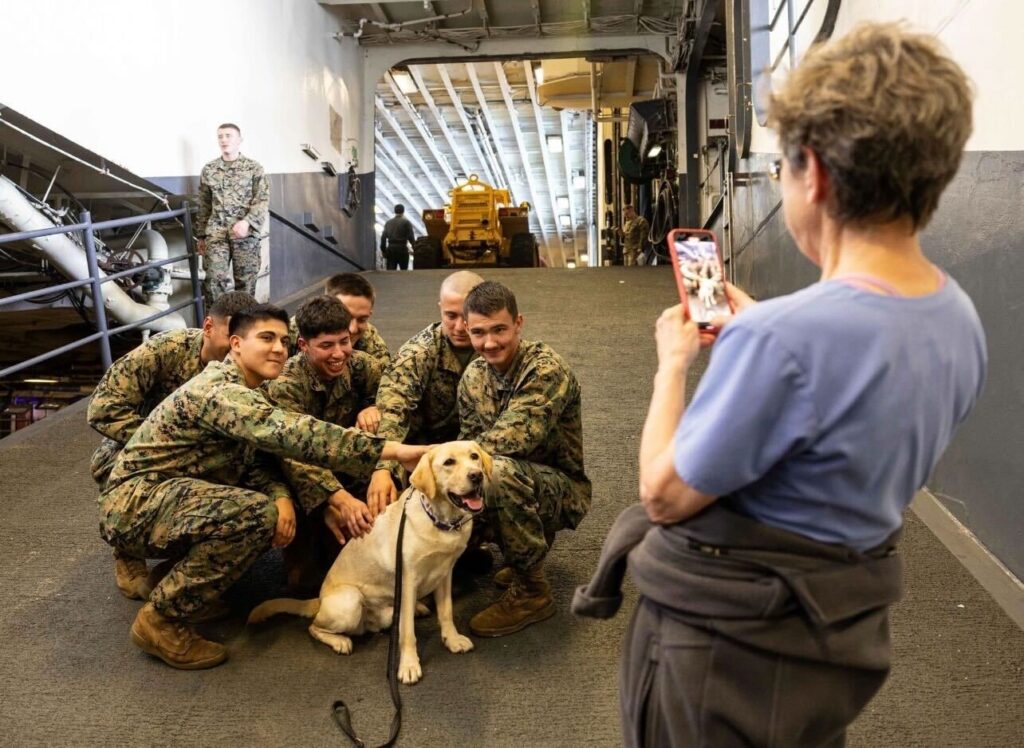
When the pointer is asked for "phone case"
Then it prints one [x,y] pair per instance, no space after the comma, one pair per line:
[700,274]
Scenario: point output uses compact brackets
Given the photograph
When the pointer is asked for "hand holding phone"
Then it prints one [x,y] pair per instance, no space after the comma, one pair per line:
[700,275]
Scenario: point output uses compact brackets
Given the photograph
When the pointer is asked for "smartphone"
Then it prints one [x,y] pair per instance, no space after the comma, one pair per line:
[700,274]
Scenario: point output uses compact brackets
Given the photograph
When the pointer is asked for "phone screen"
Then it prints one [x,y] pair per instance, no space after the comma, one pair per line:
[700,274]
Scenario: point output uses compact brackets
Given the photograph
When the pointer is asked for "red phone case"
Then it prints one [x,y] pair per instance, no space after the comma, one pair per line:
[684,294]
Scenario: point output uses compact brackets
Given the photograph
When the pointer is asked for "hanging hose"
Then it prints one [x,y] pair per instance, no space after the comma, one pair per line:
[663,218]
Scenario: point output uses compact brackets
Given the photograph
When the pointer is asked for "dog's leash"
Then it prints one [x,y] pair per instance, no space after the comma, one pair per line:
[342,715]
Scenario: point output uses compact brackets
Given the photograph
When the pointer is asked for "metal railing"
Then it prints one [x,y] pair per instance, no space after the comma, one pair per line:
[317,240]
[95,281]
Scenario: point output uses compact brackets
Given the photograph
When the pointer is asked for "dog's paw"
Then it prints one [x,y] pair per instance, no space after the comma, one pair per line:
[340,643]
[409,671]
[458,643]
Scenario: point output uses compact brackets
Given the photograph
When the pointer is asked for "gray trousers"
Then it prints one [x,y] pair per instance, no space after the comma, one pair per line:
[680,685]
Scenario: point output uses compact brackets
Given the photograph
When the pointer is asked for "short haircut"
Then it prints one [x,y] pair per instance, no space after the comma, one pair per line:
[322,315]
[230,126]
[231,304]
[399,209]
[349,284]
[489,298]
[242,322]
[887,112]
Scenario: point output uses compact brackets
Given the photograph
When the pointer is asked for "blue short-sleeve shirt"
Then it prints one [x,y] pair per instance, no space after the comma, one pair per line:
[823,411]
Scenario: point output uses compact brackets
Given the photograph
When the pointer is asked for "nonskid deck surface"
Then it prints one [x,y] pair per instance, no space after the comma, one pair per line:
[69,674]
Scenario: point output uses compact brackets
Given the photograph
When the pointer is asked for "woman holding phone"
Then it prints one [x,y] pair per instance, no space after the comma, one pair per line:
[777,494]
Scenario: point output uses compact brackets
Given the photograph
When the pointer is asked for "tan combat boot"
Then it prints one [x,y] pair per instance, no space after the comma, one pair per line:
[503,579]
[174,642]
[527,600]
[132,577]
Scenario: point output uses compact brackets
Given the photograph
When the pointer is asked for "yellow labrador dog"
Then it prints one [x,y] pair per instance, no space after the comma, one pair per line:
[445,491]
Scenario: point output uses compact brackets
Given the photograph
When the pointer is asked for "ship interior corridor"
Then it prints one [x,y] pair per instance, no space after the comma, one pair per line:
[70,676]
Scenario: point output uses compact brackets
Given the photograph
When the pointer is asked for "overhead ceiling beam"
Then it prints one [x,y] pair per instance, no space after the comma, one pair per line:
[638,6]
[418,184]
[499,168]
[536,16]
[421,128]
[481,9]
[506,94]
[497,153]
[464,119]
[549,162]
[631,77]
[421,86]
[410,148]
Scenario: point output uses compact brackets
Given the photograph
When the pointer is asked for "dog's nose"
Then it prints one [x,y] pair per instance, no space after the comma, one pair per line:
[475,476]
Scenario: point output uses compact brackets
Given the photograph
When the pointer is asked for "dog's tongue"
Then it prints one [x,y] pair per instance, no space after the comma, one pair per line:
[473,503]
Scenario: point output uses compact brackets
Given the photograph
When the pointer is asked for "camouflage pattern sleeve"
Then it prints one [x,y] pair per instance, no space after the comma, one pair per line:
[260,200]
[247,415]
[366,374]
[530,415]
[265,476]
[372,344]
[401,390]
[116,405]
[205,205]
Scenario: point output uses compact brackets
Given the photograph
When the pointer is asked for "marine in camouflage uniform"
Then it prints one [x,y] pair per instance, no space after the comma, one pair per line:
[339,401]
[195,483]
[529,419]
[134,385]
[634,232]
[418,394]
[370,343]
[231,191]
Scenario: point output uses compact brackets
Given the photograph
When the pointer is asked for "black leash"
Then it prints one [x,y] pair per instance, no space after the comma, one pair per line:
[342,715]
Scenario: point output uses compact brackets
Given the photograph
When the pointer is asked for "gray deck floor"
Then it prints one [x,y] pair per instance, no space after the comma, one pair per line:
[69,676]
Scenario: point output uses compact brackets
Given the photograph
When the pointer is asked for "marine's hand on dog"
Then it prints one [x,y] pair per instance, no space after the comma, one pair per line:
[355,515]
[407,454]
[284,532]
[381,492]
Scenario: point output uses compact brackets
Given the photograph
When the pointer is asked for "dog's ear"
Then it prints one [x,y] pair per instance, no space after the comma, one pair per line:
[485,461]
[422,477]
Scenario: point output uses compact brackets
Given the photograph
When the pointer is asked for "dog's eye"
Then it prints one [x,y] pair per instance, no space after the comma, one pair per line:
[474,456]
[449,462]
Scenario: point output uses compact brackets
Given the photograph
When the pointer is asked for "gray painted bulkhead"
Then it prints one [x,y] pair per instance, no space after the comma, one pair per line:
[976,236]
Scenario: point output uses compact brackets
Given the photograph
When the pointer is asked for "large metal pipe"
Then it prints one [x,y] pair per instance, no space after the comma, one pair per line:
[18,213]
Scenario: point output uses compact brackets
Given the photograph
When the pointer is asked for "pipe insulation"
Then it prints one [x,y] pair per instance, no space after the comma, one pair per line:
[18,213]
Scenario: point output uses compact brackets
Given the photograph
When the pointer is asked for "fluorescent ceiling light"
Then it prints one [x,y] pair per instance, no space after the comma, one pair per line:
[404,81]
[538,74]
[555,143]
[565,221]
[655,151]
[571,265]
[563,203]
[579,181]
[41,380]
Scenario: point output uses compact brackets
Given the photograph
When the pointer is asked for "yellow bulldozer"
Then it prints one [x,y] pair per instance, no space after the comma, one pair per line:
[480,227]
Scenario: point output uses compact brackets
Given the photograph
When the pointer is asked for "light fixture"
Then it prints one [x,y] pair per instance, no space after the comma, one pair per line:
[563,202]
[571,265]
[310,151]
[328,168]
[404,81]
[565,221]
[654,151]
[538,74]
[579,180]
[41,380]
[555,143]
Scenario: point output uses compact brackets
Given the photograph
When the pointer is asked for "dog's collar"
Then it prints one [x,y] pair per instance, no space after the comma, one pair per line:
[441,524]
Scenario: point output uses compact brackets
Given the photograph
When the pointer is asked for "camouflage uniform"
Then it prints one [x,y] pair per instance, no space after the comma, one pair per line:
[418,394]
[134,385]
[175,490]
[529,419]
[370,343]
[339,401]
[634,233]
[230,191]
